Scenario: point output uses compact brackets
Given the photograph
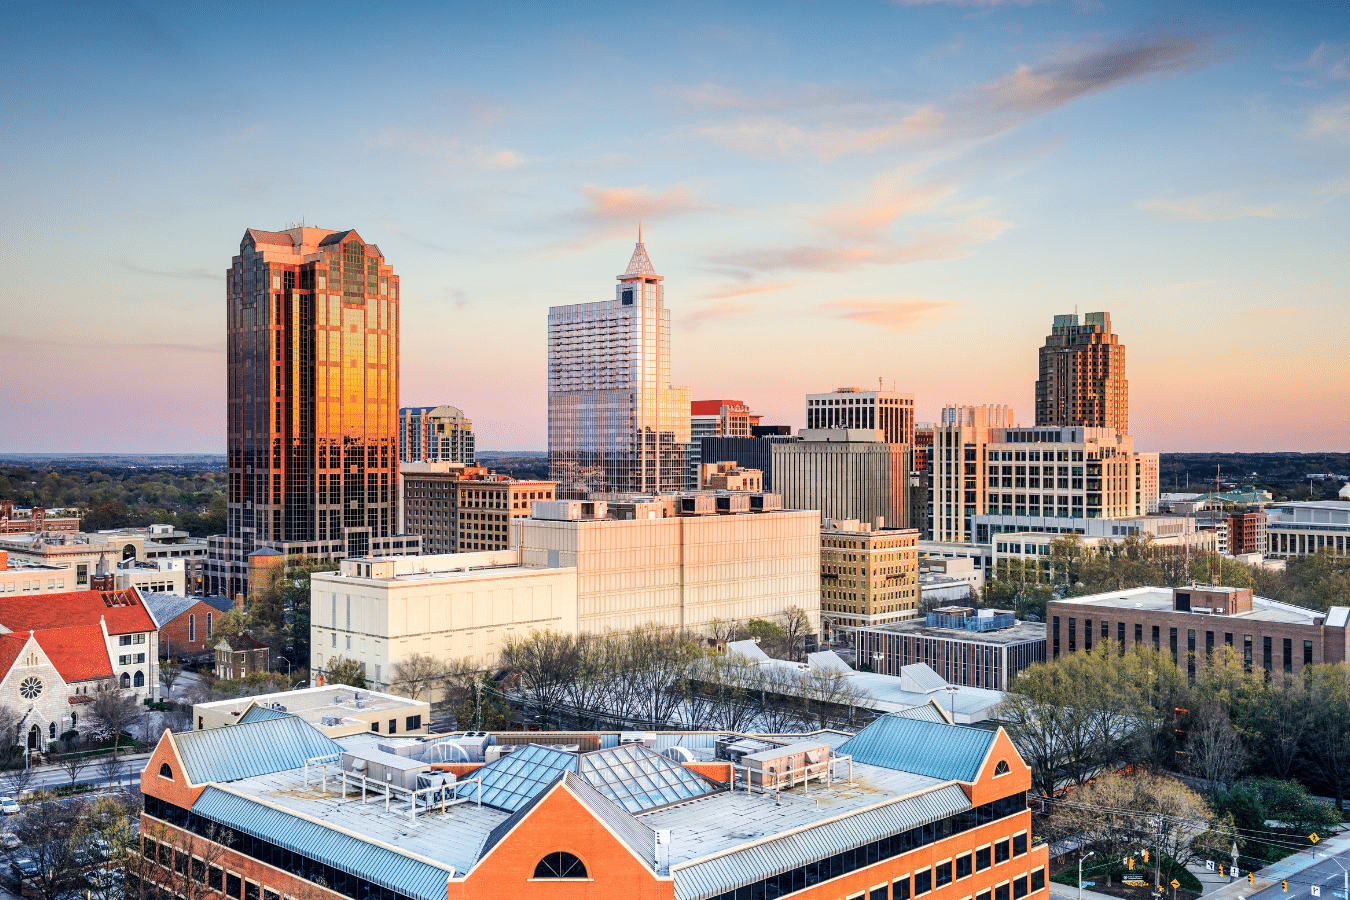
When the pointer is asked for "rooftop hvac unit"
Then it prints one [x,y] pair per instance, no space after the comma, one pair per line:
[497,751]
[330,721]
[637,737]
[679,754]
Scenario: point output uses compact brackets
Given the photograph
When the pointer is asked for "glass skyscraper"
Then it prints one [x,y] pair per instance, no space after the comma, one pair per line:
[312,320]
[615,423]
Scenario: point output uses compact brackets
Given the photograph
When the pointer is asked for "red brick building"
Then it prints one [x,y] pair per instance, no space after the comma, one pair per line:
[240,656]
[185,623]
[271,808]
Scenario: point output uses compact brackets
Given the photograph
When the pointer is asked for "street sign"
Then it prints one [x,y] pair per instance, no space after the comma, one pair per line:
[1313,837]
[1317,890]
[1089,884]
[1209,865]
[1175,884]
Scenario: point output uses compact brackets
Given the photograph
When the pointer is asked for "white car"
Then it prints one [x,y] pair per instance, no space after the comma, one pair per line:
[10,841]
[9,806]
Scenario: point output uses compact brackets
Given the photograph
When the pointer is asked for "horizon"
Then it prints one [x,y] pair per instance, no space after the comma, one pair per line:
[907,190]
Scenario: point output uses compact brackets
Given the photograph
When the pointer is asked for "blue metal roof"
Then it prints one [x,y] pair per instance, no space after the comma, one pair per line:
[249,749]
[637,779]
[938,750]
[697,879]
[386,867]
[257,713]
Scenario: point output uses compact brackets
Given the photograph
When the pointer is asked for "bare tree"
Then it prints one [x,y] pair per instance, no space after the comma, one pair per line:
[49,834]
[796,626]
[830,695]
[110,769]
[18,780]
[73,762]
[110,714]
[456,682]
[186,864]
[169,671]
[547,662]
[1214,751]
[415,674]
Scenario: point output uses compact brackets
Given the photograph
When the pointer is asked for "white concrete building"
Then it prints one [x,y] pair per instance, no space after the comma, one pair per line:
[336,709]
[1303,528]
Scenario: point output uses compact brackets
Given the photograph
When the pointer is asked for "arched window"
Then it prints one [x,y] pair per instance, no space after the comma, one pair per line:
[165,771]
[51,731]
[560,865]
[74,720]
[1002,768]
[140,679]
[126,680]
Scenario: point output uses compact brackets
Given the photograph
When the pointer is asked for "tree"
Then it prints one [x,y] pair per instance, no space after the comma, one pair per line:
[416,673]
[110,769]
[49,832]
[830,695]
[108,715]
[1329,736]
[1214,751]
[796,625]
[72,762]
[770,635]
[169,671]
[1274,720]
[342,670]
[282,610]
[184,860]
[547,662]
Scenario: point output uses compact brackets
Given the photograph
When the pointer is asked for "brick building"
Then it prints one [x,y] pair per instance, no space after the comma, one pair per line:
[1082,369]
[457,509]
[944,815]
[1193,622]
[185,623]
[867,576]
[240,656]
[976,648]
[1247,532]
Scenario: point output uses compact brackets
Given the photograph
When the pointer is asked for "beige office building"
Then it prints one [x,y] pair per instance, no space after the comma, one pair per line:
[676,561]
[380,610]
[337,710]
[868,576]
[845,473]
[728,476]
[957,464]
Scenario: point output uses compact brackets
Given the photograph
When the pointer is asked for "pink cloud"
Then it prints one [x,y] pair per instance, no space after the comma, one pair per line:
[895,314]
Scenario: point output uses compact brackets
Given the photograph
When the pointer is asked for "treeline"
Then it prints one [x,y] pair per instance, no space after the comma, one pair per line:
[1071,569]
[1102,710]
[192,500]
[1283,474]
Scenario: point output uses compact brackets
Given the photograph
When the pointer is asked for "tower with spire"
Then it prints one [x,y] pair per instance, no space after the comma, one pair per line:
[615,423]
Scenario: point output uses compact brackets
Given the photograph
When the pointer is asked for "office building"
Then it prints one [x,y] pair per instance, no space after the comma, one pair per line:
[312,328]
[480,816]
[852,407]
[1301,528]
[456,509]
[957,462]
[845,473]
[983,648]
[33,521]
[1082,375]
[753,452]
[921,480]
[435,434]
[729,476]
[615,423]
[716,419]
[867,576]
[679,561]
[1192,623]
[81,554]
[1057,479]
[335,709]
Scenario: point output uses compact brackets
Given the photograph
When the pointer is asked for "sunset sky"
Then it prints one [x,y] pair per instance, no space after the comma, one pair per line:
[834,192]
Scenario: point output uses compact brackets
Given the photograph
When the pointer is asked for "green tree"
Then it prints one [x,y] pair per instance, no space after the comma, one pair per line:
[341,670]
[282,610]
[1328,739]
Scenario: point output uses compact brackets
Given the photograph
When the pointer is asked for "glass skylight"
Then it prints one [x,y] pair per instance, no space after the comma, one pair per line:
[637,779]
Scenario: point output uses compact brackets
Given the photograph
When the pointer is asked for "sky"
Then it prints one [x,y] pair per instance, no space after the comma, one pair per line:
[836,193]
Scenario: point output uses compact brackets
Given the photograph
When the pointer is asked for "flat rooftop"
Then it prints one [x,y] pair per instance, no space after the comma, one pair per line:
[313,704]
[1017,634]
[1161,600]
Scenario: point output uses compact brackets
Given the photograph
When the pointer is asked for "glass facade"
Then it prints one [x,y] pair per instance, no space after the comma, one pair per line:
[615,424]
[312,370]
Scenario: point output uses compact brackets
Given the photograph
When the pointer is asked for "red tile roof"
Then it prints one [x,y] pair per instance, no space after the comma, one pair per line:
[122,610]
[11,645]
[271,237]
[78,653]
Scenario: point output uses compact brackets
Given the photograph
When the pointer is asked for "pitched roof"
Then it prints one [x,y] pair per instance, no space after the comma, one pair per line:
[639,837]
[224,604]
[256,748]
[337,237]
[121,610]
[164,608]
[11,645]
[921,678]
[748,649]
[270,237]
[258,713]
[640,263]
[937,750]
[79,653]
[927,712]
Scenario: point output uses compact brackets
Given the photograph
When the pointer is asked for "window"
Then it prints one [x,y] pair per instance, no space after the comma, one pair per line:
[139,680]
[192,628]
[900,888]
[1001,768]
[124,640]
[215,878]
[1001,851]
[1038,880]
[964,866]
[232,884]
[1019,887]
[982,860]
[252,891]
[165,771]
[559,865]
[412,723]
[375,727]
[1307,653]
[393,726]
[1001,892]
[208,624]
[1288,655]
[877,893]
[943,873]
[1019,844]
[923,882]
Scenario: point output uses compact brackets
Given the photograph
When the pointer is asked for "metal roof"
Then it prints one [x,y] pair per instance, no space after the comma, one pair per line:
[254,748]
[637,779]
[637,836]
[928,712]
[699,879]
[920,678]
[357,856]
[749,649]
[257,713]
[164,607]
[949,752]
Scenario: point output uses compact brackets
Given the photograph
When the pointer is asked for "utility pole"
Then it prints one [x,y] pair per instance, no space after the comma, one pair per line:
[1157,857]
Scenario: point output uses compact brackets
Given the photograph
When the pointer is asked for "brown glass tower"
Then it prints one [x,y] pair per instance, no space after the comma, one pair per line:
[312,325]
[1082,375]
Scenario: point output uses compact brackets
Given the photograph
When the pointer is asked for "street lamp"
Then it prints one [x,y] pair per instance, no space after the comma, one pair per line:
[952,690]
[1080,872]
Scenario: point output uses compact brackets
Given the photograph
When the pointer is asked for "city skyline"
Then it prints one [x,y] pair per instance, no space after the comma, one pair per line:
[906,191]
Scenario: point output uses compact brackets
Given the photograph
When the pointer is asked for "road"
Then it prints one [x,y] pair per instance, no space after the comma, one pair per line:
[1326,874]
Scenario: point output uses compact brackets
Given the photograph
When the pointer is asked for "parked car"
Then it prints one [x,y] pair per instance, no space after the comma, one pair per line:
[23,868]
[9,806]
[10,841]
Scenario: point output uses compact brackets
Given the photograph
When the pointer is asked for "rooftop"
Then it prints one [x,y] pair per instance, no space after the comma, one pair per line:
[122,611]
[1156,599]
[1017,634]
[337,701]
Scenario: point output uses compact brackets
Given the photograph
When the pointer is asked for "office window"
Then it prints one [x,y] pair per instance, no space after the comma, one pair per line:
[1209,643]
[1038,880]
[1307,653]
[982,859]
[393,726]
[923,882]
[413,723]
[1087,634]
[943,873]
[1172,643]
[1138,632]
[877,893]
[1054,635]
[1120,635]
[233,885]
[1001,851]
[1266,654]
[900,888]
[1001,892]
[252,890]
[1019,844]
[1019,887]
[1288,655]
[965,865]
[1156,644]
[1106,630]
[1073,634]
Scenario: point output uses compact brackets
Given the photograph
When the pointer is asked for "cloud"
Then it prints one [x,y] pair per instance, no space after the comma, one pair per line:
[851,123]
[610,212]
[450,149]
[813,258]
[742,290]
[1326,63]
[1330,120]
[1207,209]
[727,309]
[196,274]
[895,314]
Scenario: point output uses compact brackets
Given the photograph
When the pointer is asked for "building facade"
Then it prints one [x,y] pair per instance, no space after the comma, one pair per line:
[754,452]
[615,423]
[857,408]
[1193,623]
[337,710]
[33,521]
[716,419]
[463,510]
[845,473]
[1302,528]
[957,463]
[867,577]
[730,476]
[1082,375]
[976,648]
[185,623]
[312,343]
[944,816]
[435,434]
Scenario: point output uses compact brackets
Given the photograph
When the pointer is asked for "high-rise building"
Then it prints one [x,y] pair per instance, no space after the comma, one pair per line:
[868,576]
[956,462]
[754,452]
[435,434]
[851,407]
[615,423]
[715,419]
[458,509]
[845,473]
[1082,375]
[312,323]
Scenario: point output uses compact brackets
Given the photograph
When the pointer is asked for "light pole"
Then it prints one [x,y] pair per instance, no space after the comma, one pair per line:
[876,661]
[1345,874]
[1080,872]
[952,690]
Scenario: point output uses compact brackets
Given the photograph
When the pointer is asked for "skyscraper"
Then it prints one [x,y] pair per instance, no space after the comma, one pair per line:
[435,434]
[1082,375]
[312,357]
[615,424]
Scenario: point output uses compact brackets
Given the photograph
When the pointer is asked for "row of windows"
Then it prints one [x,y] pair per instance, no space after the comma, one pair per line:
[52,584]
[1267,643]
[876,851]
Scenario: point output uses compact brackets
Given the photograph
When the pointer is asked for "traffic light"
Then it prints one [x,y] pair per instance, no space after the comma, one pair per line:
[1285,885]
[1131,863]
[1251,879]
[1145,856]
[1220,870]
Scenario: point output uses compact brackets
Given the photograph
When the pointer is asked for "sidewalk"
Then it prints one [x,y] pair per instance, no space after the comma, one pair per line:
[1304,859]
